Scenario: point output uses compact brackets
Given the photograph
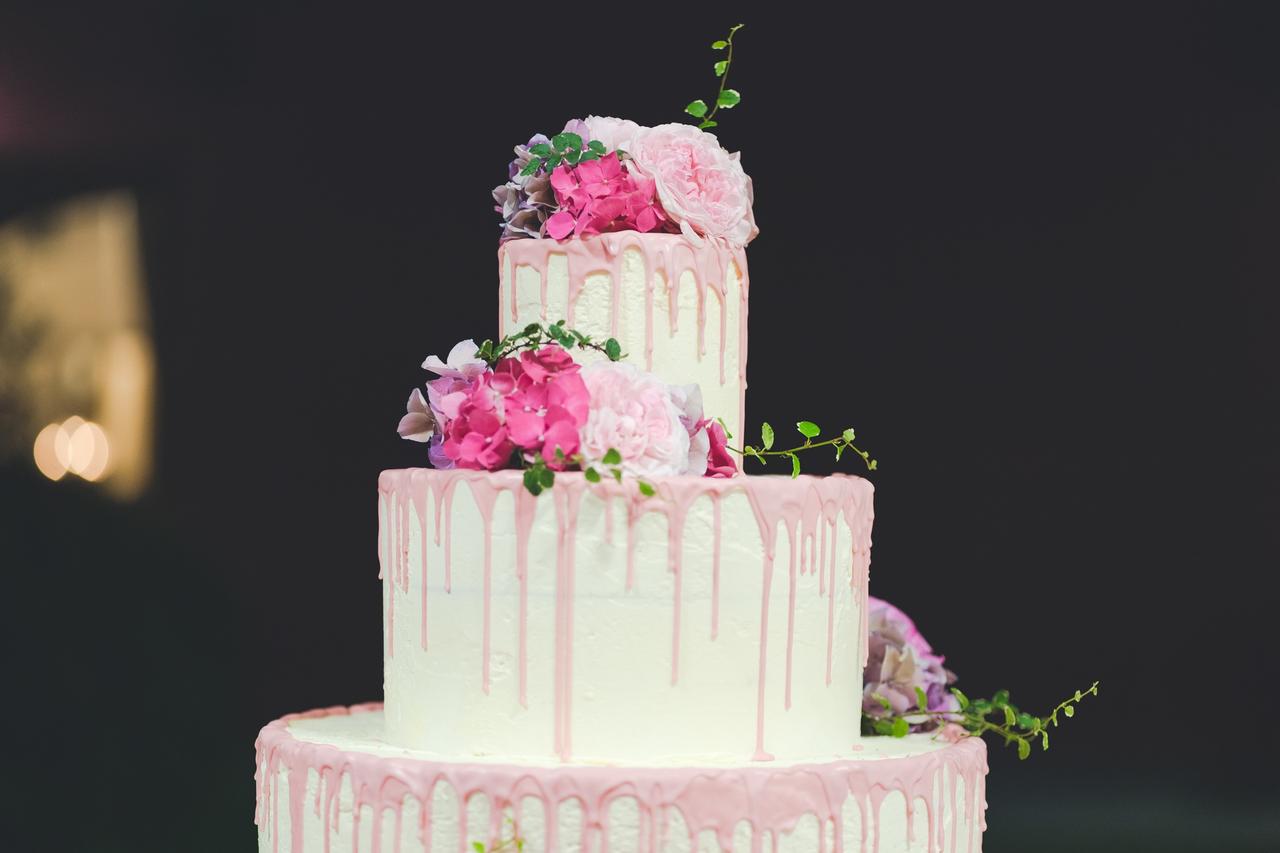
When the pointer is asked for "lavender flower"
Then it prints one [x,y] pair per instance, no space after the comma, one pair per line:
[525,201]
[900,660]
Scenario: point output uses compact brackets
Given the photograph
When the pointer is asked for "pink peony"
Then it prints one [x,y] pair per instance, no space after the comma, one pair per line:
[633,412]
[700,186]
[720,462]
[614,133]
[599,196]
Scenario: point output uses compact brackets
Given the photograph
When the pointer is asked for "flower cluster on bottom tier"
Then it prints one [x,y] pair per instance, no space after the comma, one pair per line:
[329,781]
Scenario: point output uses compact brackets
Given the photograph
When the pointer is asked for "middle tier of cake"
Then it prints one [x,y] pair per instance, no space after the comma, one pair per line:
[719,618]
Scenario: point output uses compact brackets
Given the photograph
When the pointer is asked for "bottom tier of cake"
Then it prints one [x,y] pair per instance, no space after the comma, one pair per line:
[328,781]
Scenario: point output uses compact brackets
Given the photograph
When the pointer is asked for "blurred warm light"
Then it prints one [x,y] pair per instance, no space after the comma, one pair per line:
[74,446]
[76,276]
[46,453]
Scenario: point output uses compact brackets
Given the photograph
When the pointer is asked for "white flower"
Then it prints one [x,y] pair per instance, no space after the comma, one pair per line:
[462,362]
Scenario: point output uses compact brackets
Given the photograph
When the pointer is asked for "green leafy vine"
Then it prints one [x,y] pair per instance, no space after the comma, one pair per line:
[810,431]
[726,98]
[536,335]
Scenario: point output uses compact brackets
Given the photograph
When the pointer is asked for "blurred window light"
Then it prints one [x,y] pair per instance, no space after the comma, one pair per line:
[77,339]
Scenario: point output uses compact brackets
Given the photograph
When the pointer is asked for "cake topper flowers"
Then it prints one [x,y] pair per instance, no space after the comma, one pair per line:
[907,689]
[601,174]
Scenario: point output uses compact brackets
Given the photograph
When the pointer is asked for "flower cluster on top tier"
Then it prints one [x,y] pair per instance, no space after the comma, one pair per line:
[526,403]
[604,174]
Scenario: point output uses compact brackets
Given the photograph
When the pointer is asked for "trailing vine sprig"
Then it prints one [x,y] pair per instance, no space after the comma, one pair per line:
[1015,726]
[810,431]
[726,98]
[536,335]
[505,844]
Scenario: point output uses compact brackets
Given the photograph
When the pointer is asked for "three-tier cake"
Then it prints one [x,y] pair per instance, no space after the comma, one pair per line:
[658,658]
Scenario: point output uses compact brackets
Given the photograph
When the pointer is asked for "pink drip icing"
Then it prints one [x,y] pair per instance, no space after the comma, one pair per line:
[771,799]
[669,254]
[801,505]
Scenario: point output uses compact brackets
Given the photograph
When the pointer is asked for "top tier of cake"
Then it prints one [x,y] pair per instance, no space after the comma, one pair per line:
[678,308]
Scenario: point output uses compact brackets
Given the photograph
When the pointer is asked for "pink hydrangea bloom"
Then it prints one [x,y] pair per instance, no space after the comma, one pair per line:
[899,660]
[545,402]
[700,186]
[634,412]
[599,196]
[478,436]
[720,462]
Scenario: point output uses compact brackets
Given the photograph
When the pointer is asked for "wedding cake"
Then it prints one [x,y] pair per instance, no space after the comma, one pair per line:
[599,633]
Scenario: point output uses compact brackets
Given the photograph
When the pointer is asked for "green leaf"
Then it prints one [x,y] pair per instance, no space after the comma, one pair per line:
[546,478]
[1010,719]
[728,99]
[612,457]
[1026,721]
[573,158]
[697,108]
[1044,740]
[588,155]
[531,167]
[567,142]
[719,44]
[559,453]
[720,67]
[882,727]
[724,426]
[901,727]
[808,429]
[884,703]
[645,489]
[531,482]
[617,474]
[795,465]
[613,349]
[542,149]
[1000,699]
[1024,749]
[553,161]
[922,699]
[1069,710]
[592,475]
[708,123]
[960,697]
[847,435]
[597,146]
[766,435]
[532,329]
[477,846]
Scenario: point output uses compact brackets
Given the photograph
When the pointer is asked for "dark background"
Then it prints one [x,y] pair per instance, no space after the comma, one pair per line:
[1031,254]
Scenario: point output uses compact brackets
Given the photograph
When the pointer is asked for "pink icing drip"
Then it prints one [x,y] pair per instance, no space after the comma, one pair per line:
[801,505]
[669,254]
[771,799]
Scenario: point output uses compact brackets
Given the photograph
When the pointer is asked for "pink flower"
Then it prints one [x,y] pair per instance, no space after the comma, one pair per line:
[599,196]
[545,402]
[633,412]
[478,437]
[418,424]
[899,661]
[688,401]
[700,186]
[720,462]
[614,133]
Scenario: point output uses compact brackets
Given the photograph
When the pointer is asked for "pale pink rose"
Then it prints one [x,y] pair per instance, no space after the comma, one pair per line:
[634,413]
[700,185]
[614,133]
